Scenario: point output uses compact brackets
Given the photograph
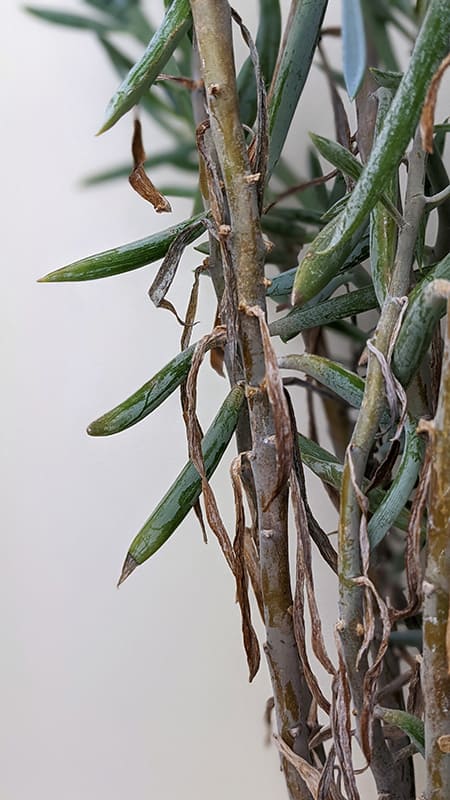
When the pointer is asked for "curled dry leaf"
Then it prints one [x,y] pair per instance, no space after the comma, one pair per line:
[251,644]
[341,724]
[139,179]
[428,111]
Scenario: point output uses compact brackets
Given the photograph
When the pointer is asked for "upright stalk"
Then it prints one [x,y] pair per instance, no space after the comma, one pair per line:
[351,626]
[436,612]
[212,24]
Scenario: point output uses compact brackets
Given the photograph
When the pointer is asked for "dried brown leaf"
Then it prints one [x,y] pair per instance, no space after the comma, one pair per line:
[139,179]
[428,111]
[248,632]
[310,774]
[168,268]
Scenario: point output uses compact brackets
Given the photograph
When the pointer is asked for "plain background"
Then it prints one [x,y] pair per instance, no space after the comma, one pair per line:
[141,692]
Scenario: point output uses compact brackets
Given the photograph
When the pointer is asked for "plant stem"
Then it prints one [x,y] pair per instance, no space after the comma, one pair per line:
[350,562]
[436,649]
[212,23]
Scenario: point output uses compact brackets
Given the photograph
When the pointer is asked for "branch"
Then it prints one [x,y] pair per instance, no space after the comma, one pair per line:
[436,613]
[350,559]
[243,243]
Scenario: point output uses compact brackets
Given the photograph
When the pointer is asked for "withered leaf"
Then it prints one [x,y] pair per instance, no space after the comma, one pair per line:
[428,111]
[139,179]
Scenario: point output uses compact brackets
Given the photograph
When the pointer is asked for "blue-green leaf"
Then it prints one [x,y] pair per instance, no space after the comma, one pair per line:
[353,46]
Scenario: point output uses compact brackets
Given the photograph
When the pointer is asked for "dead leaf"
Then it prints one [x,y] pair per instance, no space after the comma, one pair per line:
[428,111]
[139,179]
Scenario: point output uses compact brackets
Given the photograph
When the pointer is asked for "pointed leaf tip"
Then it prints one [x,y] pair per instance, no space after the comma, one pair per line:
[129,566]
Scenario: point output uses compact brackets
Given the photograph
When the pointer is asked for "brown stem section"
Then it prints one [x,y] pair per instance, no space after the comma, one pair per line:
[212,24]
[436,613]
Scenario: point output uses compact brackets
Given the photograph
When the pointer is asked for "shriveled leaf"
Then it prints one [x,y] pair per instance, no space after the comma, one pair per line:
[401,120]
[353,46]
[168,268]
[187,487]
[176,22]
[139,179]
[428,111]
[127,257]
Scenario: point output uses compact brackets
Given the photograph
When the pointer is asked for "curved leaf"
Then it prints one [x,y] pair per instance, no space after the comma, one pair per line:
[411,725]
[76,21]
[127,257]
[346,384]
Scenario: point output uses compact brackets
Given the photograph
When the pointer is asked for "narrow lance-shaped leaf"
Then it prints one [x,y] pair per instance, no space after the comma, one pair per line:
[186,489]
[353,46]
[345,305]
[146,398]
[400,490]
[176,22]
[427,304]
[127,257]
[291,72]
[401,120]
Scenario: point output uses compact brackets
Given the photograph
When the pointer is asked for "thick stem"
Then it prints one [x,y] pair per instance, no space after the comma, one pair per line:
[212,23]
[350,564]
[436,613]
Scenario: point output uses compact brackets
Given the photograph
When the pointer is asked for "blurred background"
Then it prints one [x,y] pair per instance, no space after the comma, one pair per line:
[141,692]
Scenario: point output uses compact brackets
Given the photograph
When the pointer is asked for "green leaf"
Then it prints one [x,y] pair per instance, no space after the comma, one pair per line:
[127,257]
[292,72]
[344,383]
[344,305]
[353,46]
[176,23]
[140,404]
[345,161]
[267,43]
[316,270]
[400,123]
[411,725]
[186,489]
[72,20]
[401,487]
[426,305]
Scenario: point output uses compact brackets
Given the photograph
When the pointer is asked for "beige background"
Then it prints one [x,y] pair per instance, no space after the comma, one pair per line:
[140,692]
